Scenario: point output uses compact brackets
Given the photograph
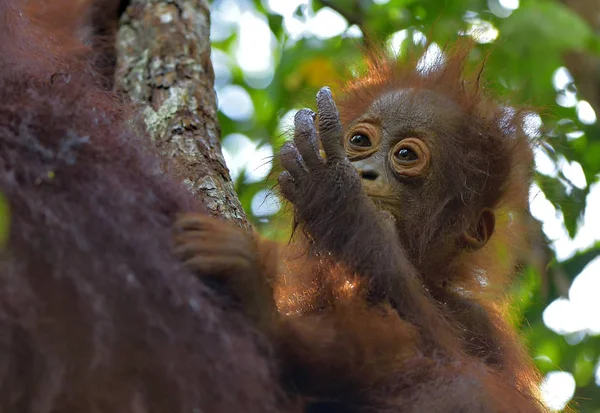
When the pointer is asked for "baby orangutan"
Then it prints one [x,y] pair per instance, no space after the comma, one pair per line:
[408,220]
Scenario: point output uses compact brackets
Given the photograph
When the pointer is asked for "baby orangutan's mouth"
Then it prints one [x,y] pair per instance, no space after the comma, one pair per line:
[385,203]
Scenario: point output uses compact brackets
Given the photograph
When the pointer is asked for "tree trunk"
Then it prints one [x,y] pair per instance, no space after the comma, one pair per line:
[164,66]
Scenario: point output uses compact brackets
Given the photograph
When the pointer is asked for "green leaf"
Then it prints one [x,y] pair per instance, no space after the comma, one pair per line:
[4,221]
[574,265]
[546,25]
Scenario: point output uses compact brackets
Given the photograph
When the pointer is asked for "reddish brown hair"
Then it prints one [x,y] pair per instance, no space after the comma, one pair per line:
[96,313]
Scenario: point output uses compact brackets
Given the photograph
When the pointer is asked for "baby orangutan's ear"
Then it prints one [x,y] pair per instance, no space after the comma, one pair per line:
[478,235]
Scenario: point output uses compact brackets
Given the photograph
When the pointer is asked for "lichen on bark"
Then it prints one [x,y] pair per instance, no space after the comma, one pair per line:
[164,66]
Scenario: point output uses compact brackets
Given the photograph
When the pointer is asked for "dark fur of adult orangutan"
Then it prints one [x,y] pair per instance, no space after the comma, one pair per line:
[96,313]
[412,221]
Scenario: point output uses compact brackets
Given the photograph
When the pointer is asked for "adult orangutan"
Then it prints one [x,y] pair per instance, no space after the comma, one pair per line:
[96,312]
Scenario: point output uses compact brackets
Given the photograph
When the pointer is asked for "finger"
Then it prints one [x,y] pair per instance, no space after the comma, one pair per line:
[330,127]
[208,247]
[287,186]
[291,160]
[216,265]
[191,221]
[207,242]
[305,137]
[195,248]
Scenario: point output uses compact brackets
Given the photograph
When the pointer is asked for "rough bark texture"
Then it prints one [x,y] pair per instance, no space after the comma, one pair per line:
[164,65]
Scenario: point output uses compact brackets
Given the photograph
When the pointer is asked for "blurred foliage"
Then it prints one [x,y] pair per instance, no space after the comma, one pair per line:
[523,60]
[4,221]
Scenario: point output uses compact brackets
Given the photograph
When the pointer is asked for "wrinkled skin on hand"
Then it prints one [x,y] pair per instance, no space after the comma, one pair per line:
[321,189]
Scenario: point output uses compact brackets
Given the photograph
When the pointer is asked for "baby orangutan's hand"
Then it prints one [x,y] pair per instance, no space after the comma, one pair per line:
[222,253]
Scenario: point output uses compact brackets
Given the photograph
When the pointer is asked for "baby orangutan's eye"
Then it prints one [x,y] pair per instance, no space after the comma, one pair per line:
[360,140]
[410,157]
[406,155]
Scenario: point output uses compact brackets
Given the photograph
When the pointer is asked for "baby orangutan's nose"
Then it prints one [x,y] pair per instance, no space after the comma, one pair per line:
[369,174]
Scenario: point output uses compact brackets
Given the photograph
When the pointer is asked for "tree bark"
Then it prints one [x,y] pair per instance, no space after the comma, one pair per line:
[164,65]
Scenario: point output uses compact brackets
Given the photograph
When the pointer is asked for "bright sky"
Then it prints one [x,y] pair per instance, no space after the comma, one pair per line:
[576,313]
